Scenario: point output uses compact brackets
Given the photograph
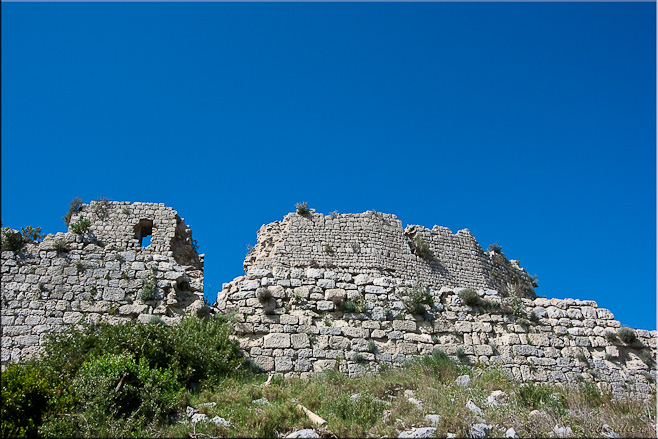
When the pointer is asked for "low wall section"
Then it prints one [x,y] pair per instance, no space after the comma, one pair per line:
[290,321]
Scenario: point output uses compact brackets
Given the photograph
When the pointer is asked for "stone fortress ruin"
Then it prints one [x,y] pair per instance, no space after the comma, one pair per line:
[341,291]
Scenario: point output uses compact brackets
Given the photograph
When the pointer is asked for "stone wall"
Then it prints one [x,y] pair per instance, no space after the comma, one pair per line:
[320,292]
[294,322]
[375,243]
[324,292]
[100,275]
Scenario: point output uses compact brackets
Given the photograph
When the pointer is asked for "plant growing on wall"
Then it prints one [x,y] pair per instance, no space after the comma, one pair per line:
[148,286]
[81,227]
[419,296]
[302,208]
[60,246]
[32,234]
[421,248]
[627,335]
[101,207]
[470,298]
[76,204]
[352,306]
[11,239]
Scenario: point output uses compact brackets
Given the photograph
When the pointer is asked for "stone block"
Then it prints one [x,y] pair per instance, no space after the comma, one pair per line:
[322,365]
[334,292]
[326,283]
[300,341]
[283,364]
[314,273]
[325,305]
[277,341]
[604,314]
[249,285]
[525,350]
[362,279]
[373,289]
[404,325]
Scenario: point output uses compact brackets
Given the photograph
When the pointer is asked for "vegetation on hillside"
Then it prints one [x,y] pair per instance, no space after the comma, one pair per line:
[138,380]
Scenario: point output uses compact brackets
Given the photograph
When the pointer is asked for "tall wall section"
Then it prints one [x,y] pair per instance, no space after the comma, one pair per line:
[375,243]
[338,292]
[107,273]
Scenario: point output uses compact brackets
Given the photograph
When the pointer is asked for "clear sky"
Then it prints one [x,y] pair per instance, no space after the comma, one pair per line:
[531,124]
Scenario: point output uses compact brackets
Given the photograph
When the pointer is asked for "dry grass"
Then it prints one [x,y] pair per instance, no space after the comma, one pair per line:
[384,410]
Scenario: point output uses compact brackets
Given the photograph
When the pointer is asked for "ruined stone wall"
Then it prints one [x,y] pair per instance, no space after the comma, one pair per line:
[99,275]
[376,243]
[295,306]
[293,322]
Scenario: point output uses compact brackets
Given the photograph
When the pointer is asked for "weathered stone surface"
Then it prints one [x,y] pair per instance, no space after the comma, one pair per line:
[277,341]
[301,328]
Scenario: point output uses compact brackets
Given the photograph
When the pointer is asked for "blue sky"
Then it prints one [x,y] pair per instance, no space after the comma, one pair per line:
[531,124]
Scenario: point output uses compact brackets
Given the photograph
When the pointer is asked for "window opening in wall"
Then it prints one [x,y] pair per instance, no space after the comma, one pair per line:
[144,232]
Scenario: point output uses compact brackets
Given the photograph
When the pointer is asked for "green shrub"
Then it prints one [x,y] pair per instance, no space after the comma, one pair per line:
[32,235]
[352,306]
[29,393]
[627,335]
[60,246]
[149,285]
[365,410]
[533,396]
[372,346]
[328,249]
[75,205]
[470,297]
[81,227]
[118,393]
[611,337]
[302,208]
[646,357]
[11,240]
[422,248]
[495,248]
[439,364]
[419,296]
[490,304]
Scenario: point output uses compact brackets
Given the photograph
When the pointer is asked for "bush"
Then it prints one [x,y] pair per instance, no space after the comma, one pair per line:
[352,306]
[28,394]
[422,248]
[470,297]
[302,208]
[495,248]
[647,358]
[148,288]
[60,246]
[32,235]
[75,205]
[81,227]
[116,391]
[627,335]
[11,240]
[611,337]
[419,295]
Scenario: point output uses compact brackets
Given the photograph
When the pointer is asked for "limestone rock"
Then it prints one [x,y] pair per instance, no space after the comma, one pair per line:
[424,432]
